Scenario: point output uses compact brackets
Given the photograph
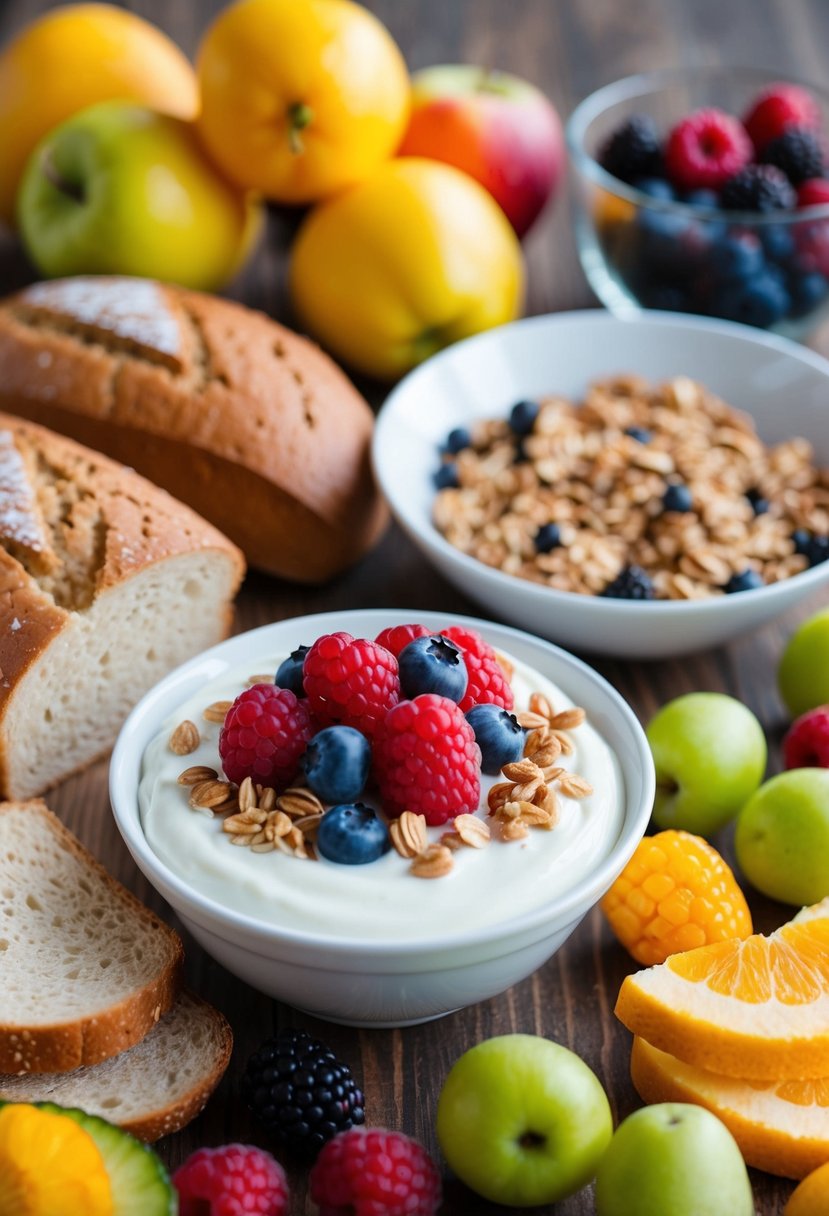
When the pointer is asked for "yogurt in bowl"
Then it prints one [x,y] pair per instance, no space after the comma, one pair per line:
[377,944]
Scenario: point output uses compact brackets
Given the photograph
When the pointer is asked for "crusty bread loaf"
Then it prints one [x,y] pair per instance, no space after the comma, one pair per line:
[154,1088]
[251,425]
[87,970]
[106,584]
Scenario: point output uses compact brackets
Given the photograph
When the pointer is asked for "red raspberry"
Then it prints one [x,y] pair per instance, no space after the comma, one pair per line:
[264,735]
[426,760]
[806,743]
[777,107]
[813,192]
[372,1172]
[398,637]
[236,1180]
[488,683]
[705,149]
[351,681]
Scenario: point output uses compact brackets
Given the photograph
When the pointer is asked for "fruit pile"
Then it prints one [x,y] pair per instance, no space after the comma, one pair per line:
[421,714]
[117,157]
[771,163]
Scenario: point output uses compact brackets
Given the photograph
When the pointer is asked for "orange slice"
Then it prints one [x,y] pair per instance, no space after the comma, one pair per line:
[811,1198]
[49,1166]
[782,1127]
[756,1009]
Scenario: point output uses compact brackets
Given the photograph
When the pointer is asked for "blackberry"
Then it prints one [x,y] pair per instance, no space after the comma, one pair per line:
[760,188]
[797,152]
[631,584]
[298,1089]
[814,548]
[633,150]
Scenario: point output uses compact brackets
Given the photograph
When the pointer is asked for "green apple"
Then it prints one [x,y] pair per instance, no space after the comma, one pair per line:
[803,675]
[120,189]
[782,838]
[710,756]
[523,1121]
[673,1159]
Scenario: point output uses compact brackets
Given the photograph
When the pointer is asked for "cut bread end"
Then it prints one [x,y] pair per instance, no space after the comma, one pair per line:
[154,1088]
[66,709]
[87,970]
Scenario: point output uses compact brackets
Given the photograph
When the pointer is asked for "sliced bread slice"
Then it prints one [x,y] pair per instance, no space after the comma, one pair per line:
[85,969]
[106,584]
[153,1089]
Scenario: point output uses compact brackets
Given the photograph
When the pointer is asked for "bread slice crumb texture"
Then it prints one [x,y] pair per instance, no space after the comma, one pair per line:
[151,1090]
[85,969]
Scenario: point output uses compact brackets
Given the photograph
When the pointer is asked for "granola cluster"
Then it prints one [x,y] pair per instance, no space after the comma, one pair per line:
[256,817]
[589,494]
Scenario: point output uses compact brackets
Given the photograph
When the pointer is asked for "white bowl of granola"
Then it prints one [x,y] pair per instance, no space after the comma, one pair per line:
[697,477]
[375,944]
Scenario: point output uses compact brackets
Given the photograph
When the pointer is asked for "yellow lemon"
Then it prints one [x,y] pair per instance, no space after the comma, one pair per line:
[404,264]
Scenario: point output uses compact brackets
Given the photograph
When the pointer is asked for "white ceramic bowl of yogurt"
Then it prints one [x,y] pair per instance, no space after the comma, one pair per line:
[373,945]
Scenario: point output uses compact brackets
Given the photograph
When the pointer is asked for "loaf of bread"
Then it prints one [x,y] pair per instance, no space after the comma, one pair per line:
[106,584]
[150,1090]
[87,970]
[248,423]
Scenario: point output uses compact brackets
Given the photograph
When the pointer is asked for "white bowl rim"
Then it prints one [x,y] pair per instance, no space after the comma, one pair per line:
[549,596]
[584,893]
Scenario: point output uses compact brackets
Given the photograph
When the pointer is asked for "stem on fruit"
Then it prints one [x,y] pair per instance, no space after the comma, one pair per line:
[56,179]
[532,1140]
[490,81]
[300,116]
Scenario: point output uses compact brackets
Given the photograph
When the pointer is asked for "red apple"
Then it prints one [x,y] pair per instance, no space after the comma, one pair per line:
[500,130]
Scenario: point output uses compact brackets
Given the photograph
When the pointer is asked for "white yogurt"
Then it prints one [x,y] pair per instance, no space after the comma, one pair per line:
[379,901]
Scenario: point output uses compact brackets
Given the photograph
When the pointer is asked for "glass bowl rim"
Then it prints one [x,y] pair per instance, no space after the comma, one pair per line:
[641,84]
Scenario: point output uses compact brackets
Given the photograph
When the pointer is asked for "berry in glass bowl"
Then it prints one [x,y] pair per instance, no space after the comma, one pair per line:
[706,191]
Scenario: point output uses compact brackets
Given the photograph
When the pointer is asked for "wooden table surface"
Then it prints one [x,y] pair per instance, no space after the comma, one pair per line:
[568,47]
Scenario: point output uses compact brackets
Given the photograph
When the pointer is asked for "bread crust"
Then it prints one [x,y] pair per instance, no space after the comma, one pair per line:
[64,1046]
[203,396]
[176,1115]
[141,525]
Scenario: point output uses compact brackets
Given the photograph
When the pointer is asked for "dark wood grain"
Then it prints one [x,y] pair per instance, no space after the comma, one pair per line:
[568,49]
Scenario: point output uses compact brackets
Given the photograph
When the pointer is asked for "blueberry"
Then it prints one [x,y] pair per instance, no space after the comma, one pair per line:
[760,301]
[759,504]
[457,440]
[677,498]
[497,734]
[807,292]
[352,834]
[631,584]
[640,433]
[289,671]
[738,256]
[747,580]
[814,548]
[433,664]
[668,297]
[655,187]
[446,478]
[547,538]
[777,241]
[336,763]
[709,199]
[662,235]
[522,417]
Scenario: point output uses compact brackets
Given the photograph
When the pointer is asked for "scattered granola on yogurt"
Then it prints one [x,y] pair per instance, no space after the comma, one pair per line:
[640,492]
[383,762]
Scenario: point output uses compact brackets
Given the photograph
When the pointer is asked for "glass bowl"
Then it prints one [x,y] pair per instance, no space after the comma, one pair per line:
[640,251]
